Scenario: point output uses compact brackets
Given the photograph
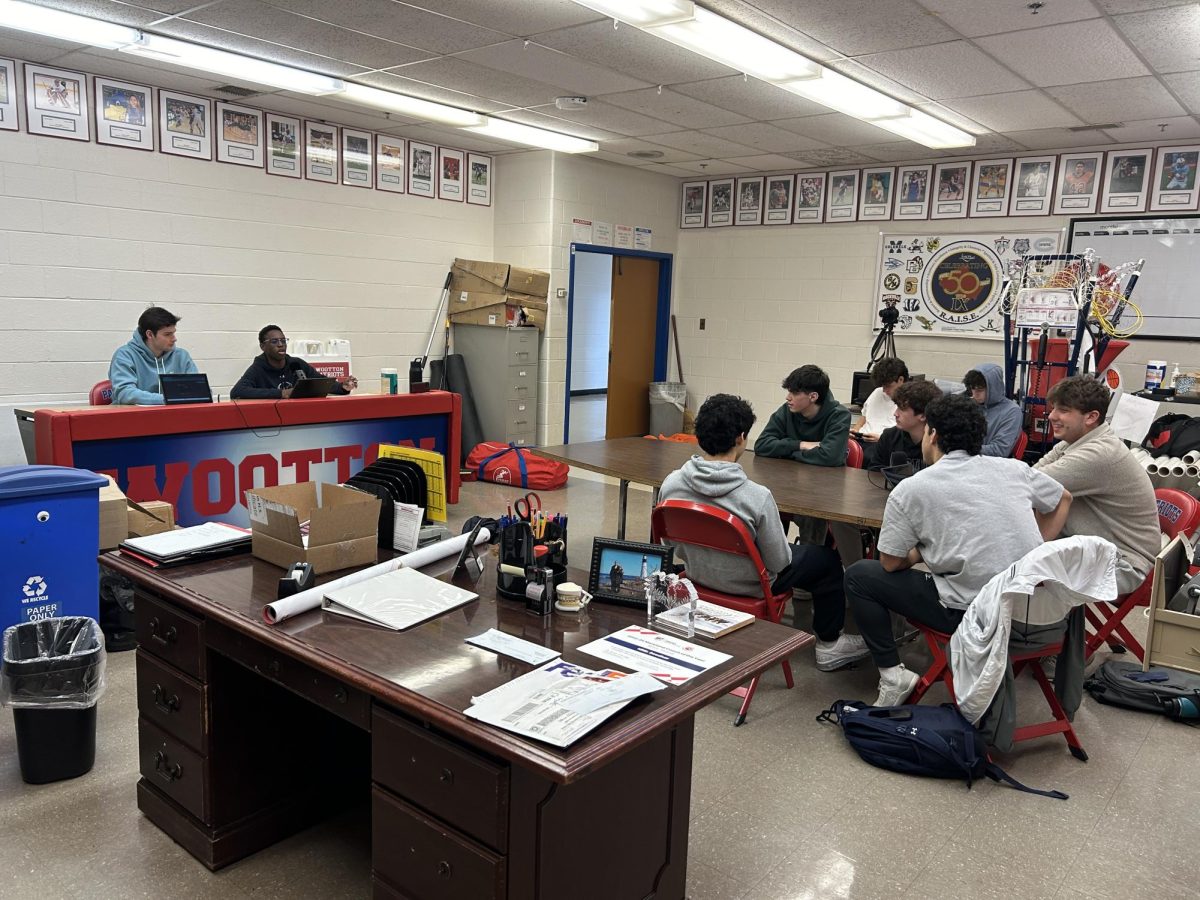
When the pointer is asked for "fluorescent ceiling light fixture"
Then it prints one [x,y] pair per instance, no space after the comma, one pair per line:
[925,129]
[415,107]
[643,13]
[848,96]
[234,65]
[727,42]
[64,25]
[533,137]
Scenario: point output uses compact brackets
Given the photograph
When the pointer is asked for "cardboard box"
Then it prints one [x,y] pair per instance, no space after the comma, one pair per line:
[343,526]
[1171,636]
[530,282]
[141,524]
[114,523]
[505,315]
[476,275]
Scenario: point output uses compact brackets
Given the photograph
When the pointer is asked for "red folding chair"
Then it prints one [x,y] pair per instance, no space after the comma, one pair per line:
[854,454]
[101,393]
[1178,513]
[1019,447]
[701,525]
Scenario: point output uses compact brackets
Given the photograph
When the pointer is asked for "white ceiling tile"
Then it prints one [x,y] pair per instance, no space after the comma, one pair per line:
[901,151]
[835,129]
[108,11]
[567,124]
[1186,86]
[1114,7]
[991,144]
[765,162]
[766,138]
[973,18]
[125,67]
[455,138]
[390,82]
[457,74]
[958,120]
[674,171]
[669,106]
[831,157]
[1054,138]
[624,146]
[1116,101]
[517,17]
[328,109]
[871,78]
[854,27]
[598,114]
[713,168]
[701,144]
[750,97]
[539,63]
[228,40]
[1018,111]
[1169,39]
[1066,54]
[1152,130]
[955,69]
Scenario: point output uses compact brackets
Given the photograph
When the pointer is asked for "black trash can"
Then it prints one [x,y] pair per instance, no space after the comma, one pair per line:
[52,677]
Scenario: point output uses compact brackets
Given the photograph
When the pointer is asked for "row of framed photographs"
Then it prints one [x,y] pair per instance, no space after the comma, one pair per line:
[1116,181]
[59,104]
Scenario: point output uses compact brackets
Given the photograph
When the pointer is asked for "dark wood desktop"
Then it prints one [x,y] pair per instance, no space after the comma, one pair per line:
[249,732]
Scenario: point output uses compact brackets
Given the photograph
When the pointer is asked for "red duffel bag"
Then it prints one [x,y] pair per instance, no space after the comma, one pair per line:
[510,464]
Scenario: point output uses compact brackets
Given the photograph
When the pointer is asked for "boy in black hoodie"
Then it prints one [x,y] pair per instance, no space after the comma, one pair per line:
[273,373]
[811,427]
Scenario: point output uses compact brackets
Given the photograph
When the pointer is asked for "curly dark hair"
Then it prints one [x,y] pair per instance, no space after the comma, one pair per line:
[888,370]
[808,380]
[721,420]
[959,422]
[916,395]
[267,329]
[1082,393]
[974,379]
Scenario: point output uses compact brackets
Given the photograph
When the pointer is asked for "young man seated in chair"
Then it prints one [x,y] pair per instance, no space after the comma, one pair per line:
[902,442]
[967,517]
[714,477]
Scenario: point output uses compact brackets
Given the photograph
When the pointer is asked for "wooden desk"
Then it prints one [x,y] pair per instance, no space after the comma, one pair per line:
[249,732]
[840,494]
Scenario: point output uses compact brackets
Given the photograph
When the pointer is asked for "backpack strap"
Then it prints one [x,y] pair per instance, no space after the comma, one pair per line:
[520,464]
[997,774]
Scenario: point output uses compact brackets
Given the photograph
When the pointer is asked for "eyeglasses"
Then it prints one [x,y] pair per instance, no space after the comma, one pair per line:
[278,342]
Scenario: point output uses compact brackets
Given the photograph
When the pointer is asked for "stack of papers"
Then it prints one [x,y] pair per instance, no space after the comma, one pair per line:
[666,658]
[711,620]
[398,599]
[188,544]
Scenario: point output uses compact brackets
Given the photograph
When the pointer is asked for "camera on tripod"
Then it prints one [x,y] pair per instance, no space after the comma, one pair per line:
[889,315]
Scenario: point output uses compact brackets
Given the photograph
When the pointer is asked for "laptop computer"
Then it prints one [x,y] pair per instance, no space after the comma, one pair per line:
[191,388]
[313,387]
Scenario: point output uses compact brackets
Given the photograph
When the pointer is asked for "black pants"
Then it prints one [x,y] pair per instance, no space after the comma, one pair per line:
[818,570]
[874,594]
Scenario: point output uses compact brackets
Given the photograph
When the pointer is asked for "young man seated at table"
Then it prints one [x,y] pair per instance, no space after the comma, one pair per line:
[985,385]
[1113,496]
[879,409]
[811,427]
[714,477]
[151,352]
[902,442]
[274,374]
[967,517]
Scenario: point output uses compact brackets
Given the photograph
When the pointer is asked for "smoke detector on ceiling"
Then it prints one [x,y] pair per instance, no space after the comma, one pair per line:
[570,103]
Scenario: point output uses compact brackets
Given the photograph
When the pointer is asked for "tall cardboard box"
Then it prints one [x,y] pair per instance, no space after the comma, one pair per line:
[343,526]
[114,522]
[477,275]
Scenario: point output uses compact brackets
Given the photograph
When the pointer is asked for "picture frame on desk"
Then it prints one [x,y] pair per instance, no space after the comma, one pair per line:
[615,573]
[124,114]
[8,95]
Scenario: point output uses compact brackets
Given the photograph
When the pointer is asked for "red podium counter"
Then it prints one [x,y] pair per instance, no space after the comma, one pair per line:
[203,457]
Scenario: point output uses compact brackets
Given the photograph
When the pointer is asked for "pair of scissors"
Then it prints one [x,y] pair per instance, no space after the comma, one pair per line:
[528,506]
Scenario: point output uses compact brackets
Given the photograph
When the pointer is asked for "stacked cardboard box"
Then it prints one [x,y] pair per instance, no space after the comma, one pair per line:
[488,293]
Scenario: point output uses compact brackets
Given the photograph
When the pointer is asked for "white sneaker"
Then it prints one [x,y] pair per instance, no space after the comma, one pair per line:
[893,693]
[847,649]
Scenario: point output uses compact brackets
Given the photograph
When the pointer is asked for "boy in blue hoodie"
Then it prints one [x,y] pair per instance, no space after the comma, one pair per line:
[151,352]
[985,385]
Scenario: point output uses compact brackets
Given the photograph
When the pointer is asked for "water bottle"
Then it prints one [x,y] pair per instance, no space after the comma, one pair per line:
[388,381]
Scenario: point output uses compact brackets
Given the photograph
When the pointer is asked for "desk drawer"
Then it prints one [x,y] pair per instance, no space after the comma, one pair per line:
[454,783]
[174,768]
[424,859]
[170,634]
[171,700]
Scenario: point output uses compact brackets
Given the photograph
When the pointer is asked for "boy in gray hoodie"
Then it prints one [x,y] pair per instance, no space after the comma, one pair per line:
[715,478]
[985,385]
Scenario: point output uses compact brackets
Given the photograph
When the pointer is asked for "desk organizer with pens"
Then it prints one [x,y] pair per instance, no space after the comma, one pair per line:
[520,543]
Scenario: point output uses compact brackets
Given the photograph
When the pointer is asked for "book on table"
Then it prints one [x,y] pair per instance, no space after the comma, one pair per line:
[711,620]
[398,599]
[188,544]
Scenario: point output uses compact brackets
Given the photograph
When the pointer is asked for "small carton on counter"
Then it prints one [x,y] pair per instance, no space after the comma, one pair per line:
[114,522]
[342,526]
[158,516]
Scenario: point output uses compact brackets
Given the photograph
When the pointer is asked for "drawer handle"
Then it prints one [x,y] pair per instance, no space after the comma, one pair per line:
[167,770]
[447,777]
[271,668]
[163,702]
[443,869]
[167,637]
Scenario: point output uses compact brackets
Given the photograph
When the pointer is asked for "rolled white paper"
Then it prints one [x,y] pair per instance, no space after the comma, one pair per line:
[1176,467]
[1140,454]
[1192,472]
[285,608]
[1192,457]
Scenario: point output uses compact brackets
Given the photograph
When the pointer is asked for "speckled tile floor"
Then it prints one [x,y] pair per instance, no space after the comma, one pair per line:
[781,807]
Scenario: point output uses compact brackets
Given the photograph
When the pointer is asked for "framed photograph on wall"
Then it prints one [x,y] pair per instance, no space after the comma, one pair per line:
[184,125]
[450,174]
[878,186]
[283,146]
[1175,179]
[1126,181]
[912,192]
[1078,183]
[810,198]
[616,572]
[389,163]
[356,158]
[951,181]
[479,179]
[749,201]
[691,209]
[779,199]
[843,196]
[422,169]
[56,103]
[991,187]
[8,95]
[124,114]
[720,202]
[1033,186]
[239,135]
[321,152]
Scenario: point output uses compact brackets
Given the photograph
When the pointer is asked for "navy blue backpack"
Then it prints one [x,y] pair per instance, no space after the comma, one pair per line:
[920,740]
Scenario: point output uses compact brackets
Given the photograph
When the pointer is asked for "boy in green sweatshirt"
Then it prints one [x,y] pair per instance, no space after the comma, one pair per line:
[811,427]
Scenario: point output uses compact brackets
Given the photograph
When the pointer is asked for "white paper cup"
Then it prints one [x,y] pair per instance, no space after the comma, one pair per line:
[571,597]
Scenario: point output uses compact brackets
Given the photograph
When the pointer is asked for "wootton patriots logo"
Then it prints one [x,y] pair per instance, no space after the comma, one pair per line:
[35,586]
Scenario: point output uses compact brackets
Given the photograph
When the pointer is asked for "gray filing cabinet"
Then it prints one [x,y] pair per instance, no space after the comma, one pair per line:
[502,364]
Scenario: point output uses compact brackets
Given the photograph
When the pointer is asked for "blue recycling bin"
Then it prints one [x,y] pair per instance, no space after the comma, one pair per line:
[49,538]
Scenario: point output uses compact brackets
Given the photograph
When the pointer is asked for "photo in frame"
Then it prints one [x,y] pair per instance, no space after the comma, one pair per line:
[843,196]
[479,179]
[1033,185]
[951,181]
[239,135]
[322,159]
[720,202]
[779,199]
[691,210]
[749,201]
[389,163]
[56,103]
[990,188]
[450,174]
[618,568]
[1126,181]
[878,187]
[1175,182]
[283,146]
[1078,183]
[912,192]
[810,198]
[357,168]
[8,95]
[422,169]
[124,114]
[184,125]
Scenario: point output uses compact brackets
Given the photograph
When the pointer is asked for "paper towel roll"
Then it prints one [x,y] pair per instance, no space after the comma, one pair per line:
[1192,472]
[1151,467]
[1140,454]
[1176,467]
[1191,457]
